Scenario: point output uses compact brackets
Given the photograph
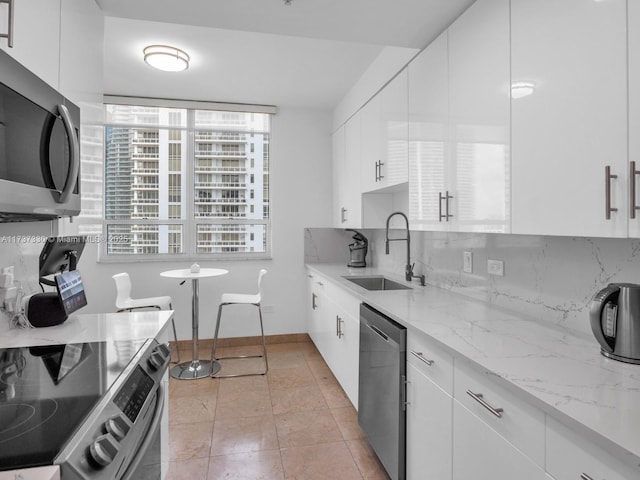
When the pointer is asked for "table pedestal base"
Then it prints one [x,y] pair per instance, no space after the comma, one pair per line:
[195,369]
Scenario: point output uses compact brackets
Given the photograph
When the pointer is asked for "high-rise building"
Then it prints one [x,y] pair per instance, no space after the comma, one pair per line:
[146,165]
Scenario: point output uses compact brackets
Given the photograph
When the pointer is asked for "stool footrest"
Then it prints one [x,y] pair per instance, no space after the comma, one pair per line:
[239,356]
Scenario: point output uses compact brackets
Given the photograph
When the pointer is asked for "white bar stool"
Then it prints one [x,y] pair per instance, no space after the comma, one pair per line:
[124,303]
[241,299]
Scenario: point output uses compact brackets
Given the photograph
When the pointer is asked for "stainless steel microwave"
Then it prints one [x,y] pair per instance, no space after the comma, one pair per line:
[39,147]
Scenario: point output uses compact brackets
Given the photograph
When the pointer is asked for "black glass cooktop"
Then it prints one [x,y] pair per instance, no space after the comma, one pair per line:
[46,392]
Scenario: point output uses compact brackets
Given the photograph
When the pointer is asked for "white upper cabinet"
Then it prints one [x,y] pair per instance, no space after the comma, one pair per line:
[634,116]
[339,173]
[36,35]
[479,113]
[385,137]
[428,134]
[347,193]
[569,117]
[459,125]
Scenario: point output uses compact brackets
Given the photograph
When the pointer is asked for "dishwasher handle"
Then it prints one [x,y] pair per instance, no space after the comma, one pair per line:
[379,332]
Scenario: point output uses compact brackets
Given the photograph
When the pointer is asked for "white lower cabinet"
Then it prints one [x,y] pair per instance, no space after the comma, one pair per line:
[344,342]
[496,435]
[480,452]
[333,325]
[429,409]
[461,423]
[570,456]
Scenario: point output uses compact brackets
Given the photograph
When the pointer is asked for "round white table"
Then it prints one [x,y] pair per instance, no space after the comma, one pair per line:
[196,368]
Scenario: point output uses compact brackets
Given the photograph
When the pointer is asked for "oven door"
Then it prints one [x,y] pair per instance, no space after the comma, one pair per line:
[146,463]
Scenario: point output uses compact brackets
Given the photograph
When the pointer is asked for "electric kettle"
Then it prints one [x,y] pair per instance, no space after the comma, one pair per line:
[615,321]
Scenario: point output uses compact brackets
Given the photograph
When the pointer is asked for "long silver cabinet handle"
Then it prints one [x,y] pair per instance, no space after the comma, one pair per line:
[447,198]
[584,476]
[404,400]
[632,189]
[478,398]
[419,356]
[607,192]
[9,34]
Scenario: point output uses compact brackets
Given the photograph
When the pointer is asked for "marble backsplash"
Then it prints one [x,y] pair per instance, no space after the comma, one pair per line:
[550,279]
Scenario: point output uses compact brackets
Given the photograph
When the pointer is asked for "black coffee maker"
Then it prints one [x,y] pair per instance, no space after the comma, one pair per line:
[358,250]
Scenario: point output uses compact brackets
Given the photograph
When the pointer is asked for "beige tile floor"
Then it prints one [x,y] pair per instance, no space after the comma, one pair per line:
[293,423]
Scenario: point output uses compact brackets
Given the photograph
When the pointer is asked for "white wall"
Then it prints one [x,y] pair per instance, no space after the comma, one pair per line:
[300,197]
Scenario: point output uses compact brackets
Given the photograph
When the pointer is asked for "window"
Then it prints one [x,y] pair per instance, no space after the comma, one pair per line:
[177,182]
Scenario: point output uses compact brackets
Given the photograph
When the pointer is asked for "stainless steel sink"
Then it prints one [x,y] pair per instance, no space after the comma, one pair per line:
[376,282]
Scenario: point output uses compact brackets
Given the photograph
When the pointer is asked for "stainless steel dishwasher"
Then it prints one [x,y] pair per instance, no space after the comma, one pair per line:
[382,388]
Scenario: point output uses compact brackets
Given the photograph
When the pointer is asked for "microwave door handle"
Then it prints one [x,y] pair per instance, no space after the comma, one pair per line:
[74,148]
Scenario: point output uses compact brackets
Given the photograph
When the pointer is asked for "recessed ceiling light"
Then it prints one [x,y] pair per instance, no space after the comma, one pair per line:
[166,58]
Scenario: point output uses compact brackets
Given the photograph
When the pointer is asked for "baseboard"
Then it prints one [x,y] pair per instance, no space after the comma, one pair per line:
[207,343]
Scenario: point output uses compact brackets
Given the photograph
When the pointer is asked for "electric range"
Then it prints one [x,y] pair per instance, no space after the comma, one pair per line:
[79,405]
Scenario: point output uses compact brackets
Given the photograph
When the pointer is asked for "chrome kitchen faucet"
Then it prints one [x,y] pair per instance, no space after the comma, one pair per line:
[408,271]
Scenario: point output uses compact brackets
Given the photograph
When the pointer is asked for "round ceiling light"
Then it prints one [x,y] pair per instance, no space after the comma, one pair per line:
[168,59]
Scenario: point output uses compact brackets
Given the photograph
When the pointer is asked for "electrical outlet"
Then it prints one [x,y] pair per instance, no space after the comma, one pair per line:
[467,262]
[495,267]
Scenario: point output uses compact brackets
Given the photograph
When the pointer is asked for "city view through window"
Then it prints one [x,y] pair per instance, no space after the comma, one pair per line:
[185,181]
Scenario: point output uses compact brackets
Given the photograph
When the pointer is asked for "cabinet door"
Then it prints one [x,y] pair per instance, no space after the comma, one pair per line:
[349,184]
[429,429]
[569,111]
[479,166]
[347,353]
[634,113]
[385,137]
[428,134]
[319,312]
[36,36]
[571,456]
[339,174]
[480,452]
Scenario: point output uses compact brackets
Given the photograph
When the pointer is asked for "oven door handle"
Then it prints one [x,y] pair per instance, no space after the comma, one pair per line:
[148,436]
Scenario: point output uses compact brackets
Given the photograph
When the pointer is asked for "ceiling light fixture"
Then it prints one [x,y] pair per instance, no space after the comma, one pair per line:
[166,58]
[521,89]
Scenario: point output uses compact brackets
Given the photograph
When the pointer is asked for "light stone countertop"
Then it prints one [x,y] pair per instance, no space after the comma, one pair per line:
[81,328]
[559,371]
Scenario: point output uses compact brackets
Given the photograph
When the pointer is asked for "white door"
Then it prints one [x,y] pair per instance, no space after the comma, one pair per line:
[385,137]
[428,135]
[634,117]
[480,452]
[569,117]
[480,161]
[429,429]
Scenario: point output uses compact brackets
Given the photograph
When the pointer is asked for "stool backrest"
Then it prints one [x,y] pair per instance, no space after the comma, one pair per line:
[262,273]
[123,289]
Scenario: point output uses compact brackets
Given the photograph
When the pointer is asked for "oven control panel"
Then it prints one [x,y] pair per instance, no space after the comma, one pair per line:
[107,442]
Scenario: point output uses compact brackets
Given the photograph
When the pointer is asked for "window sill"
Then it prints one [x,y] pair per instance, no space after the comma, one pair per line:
[180,258]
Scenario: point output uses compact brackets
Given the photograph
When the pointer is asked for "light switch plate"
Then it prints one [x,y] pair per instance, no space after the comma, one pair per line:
[467,262]
[495,267]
